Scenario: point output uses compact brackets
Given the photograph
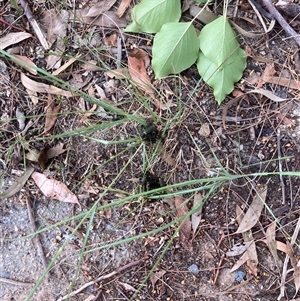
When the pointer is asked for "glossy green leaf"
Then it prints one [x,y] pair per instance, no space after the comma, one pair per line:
[175,48]
[150,15]
[221,61]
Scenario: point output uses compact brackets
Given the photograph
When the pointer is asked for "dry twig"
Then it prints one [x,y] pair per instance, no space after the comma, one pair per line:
[127,266]
[284,24]
[36,238]
[285,265]
[14,282]
[40,35]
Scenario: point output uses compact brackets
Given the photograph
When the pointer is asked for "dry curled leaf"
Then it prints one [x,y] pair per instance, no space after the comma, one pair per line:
[25,62]
[43,88]
[270,237]
[250,256]
[182,211]
[253,213]
[18,185]
[54,189]
[106,19]
[156,276]
[196,216]
[51,116]
[13,38]
[122,8]
[55,151]
[137,69]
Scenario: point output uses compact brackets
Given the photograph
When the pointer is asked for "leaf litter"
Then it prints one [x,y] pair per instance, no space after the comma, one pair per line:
[54,189]
[197,217]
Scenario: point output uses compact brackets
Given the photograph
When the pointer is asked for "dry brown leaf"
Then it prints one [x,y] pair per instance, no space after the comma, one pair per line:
[168,158]
[18,185]
[253,213]
[253,79]
[55,151]
[182,211]
[127,286]
[87,187]
[90,66]
[117,73]
[252,261]
[271,241]
[107,19]
[33,96]
[247,257]
[237,250]
[33,155]
[250,254]
[164,105]
[196,216]
[56,24]
[156,276]
[138,72]
[51,116]
[282,81]
[122,8]
[243,259]
[141,55]
[111,40]
[296,276]
[28,63]
[43,88]
[269,71]
[13,38]
[100,7]
[54,189]
[280,246]
[286,120]
[269,94]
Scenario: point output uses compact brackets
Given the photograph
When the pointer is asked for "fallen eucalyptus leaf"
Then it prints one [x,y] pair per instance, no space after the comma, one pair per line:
[18,185]
[253,213]
[54,189]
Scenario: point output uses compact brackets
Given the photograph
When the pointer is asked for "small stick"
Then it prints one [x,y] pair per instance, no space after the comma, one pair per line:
[218,269]
[127,266]
[14,282]
[287,258]
[284,24]
[34,24]
[280,167]
[36,238]
[11,25]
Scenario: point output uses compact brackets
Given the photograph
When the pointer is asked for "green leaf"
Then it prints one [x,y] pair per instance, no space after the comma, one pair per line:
[221,61]
[221,79]
[150,15]
[175,48]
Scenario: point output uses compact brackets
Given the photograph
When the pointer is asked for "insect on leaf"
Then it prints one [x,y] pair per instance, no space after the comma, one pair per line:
[150,15]
[221,61]
[175,48]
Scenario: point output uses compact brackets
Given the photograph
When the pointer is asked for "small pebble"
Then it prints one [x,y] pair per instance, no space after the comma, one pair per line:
[194,269]
[109,227]
[239,276]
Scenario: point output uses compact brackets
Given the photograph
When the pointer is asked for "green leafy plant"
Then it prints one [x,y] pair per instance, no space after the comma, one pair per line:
[176,47]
